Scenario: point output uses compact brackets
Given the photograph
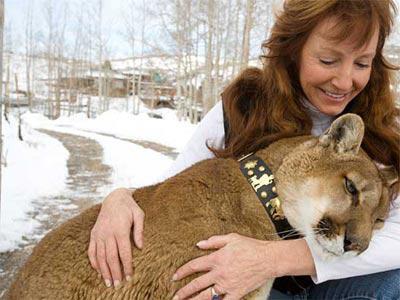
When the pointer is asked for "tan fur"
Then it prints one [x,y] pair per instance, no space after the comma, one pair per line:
[212,197]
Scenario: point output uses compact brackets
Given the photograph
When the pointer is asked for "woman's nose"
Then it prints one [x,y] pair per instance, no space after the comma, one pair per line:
[343,79]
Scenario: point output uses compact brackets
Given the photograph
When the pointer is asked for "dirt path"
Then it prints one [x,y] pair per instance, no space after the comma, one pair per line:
[87,183]
[87,177]
[168,151]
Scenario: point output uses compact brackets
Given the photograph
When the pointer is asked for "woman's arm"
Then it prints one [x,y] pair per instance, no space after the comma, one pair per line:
[110,245]
[210,130]
[298,259]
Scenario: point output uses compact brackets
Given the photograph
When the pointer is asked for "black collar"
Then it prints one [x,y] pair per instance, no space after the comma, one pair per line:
[260,177]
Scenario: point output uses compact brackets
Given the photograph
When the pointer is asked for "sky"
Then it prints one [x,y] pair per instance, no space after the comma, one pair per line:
[15,11]
[114,10]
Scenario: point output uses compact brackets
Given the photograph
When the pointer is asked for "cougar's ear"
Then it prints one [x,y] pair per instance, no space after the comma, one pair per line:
[389,174]
[345,134]
[381,212]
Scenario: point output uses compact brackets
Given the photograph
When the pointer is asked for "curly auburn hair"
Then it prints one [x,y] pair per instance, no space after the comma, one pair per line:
[262,106]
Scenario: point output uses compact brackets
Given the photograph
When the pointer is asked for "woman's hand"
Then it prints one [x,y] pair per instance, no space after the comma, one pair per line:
[241,265]
[110,244]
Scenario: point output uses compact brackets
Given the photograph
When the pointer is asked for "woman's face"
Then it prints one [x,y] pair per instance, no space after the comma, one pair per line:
[331,73]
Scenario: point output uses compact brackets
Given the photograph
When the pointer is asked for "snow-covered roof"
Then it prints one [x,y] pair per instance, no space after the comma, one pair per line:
[110,74]
[162,63]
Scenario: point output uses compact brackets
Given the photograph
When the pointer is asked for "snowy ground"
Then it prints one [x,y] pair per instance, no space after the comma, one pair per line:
[37,166]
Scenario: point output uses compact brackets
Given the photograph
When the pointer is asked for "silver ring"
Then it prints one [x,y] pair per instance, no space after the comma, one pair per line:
[214,294]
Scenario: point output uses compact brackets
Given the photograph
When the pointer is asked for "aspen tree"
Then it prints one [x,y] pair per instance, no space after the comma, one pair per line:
[1,93]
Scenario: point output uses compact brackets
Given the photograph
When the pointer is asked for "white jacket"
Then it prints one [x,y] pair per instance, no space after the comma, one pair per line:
[383,252]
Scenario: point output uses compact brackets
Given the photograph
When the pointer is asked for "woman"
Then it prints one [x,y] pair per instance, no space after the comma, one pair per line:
[323,59]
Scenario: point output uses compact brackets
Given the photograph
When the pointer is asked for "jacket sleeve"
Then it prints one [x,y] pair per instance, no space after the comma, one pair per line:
[209,131]
[381,255]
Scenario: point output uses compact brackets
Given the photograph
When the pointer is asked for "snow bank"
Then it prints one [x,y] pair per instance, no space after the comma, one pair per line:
[34,167]
[37,167]
[167,131]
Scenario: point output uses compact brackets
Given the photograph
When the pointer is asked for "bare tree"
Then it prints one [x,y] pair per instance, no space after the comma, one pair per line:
[19,109]
[50,24]
[196,93]
[236,34]
[178,12]
[227,48]
[29,47]
[219,32]
[142,42]
[98,14]
[88,49]
[7,52]
[189,29]
[59,53]
[1,91]
[130,35]
[6,98]
[76,62]
[208,86]
[248,24]
[100,51]
[176,21]
[200,30]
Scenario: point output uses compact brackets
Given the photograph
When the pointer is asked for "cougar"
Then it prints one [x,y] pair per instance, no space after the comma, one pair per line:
[328,189]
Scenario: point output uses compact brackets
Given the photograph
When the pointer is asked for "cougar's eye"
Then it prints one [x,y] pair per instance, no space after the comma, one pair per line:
[350,187]
[352,190]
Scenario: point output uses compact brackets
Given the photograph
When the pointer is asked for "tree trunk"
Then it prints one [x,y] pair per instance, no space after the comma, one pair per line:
[127,94]
[29,52]
[1,92]
[218,47]
[197,72]
[19,109]
[50,55]
[7,88]
[236,34]
[139,88]
[227,48]
[88,106]
[179,43]
[100,41]
[207,87]
[58,90]
[244,61]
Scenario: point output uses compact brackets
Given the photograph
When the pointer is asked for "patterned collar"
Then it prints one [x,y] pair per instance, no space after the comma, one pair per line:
[260,177]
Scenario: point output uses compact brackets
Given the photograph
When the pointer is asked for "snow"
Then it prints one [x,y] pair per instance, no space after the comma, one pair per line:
[34,168]
[167,131]
[37,166]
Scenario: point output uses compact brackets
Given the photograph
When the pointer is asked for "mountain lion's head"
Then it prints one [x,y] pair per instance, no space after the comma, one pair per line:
[332,192]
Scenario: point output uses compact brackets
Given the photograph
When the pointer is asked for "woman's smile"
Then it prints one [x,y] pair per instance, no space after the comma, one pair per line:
[334,96]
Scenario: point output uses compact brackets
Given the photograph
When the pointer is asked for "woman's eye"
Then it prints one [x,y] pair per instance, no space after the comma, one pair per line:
[362,66]
[350,187]
[327,62]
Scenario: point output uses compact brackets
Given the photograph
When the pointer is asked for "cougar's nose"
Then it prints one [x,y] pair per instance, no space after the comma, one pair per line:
[350,244]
